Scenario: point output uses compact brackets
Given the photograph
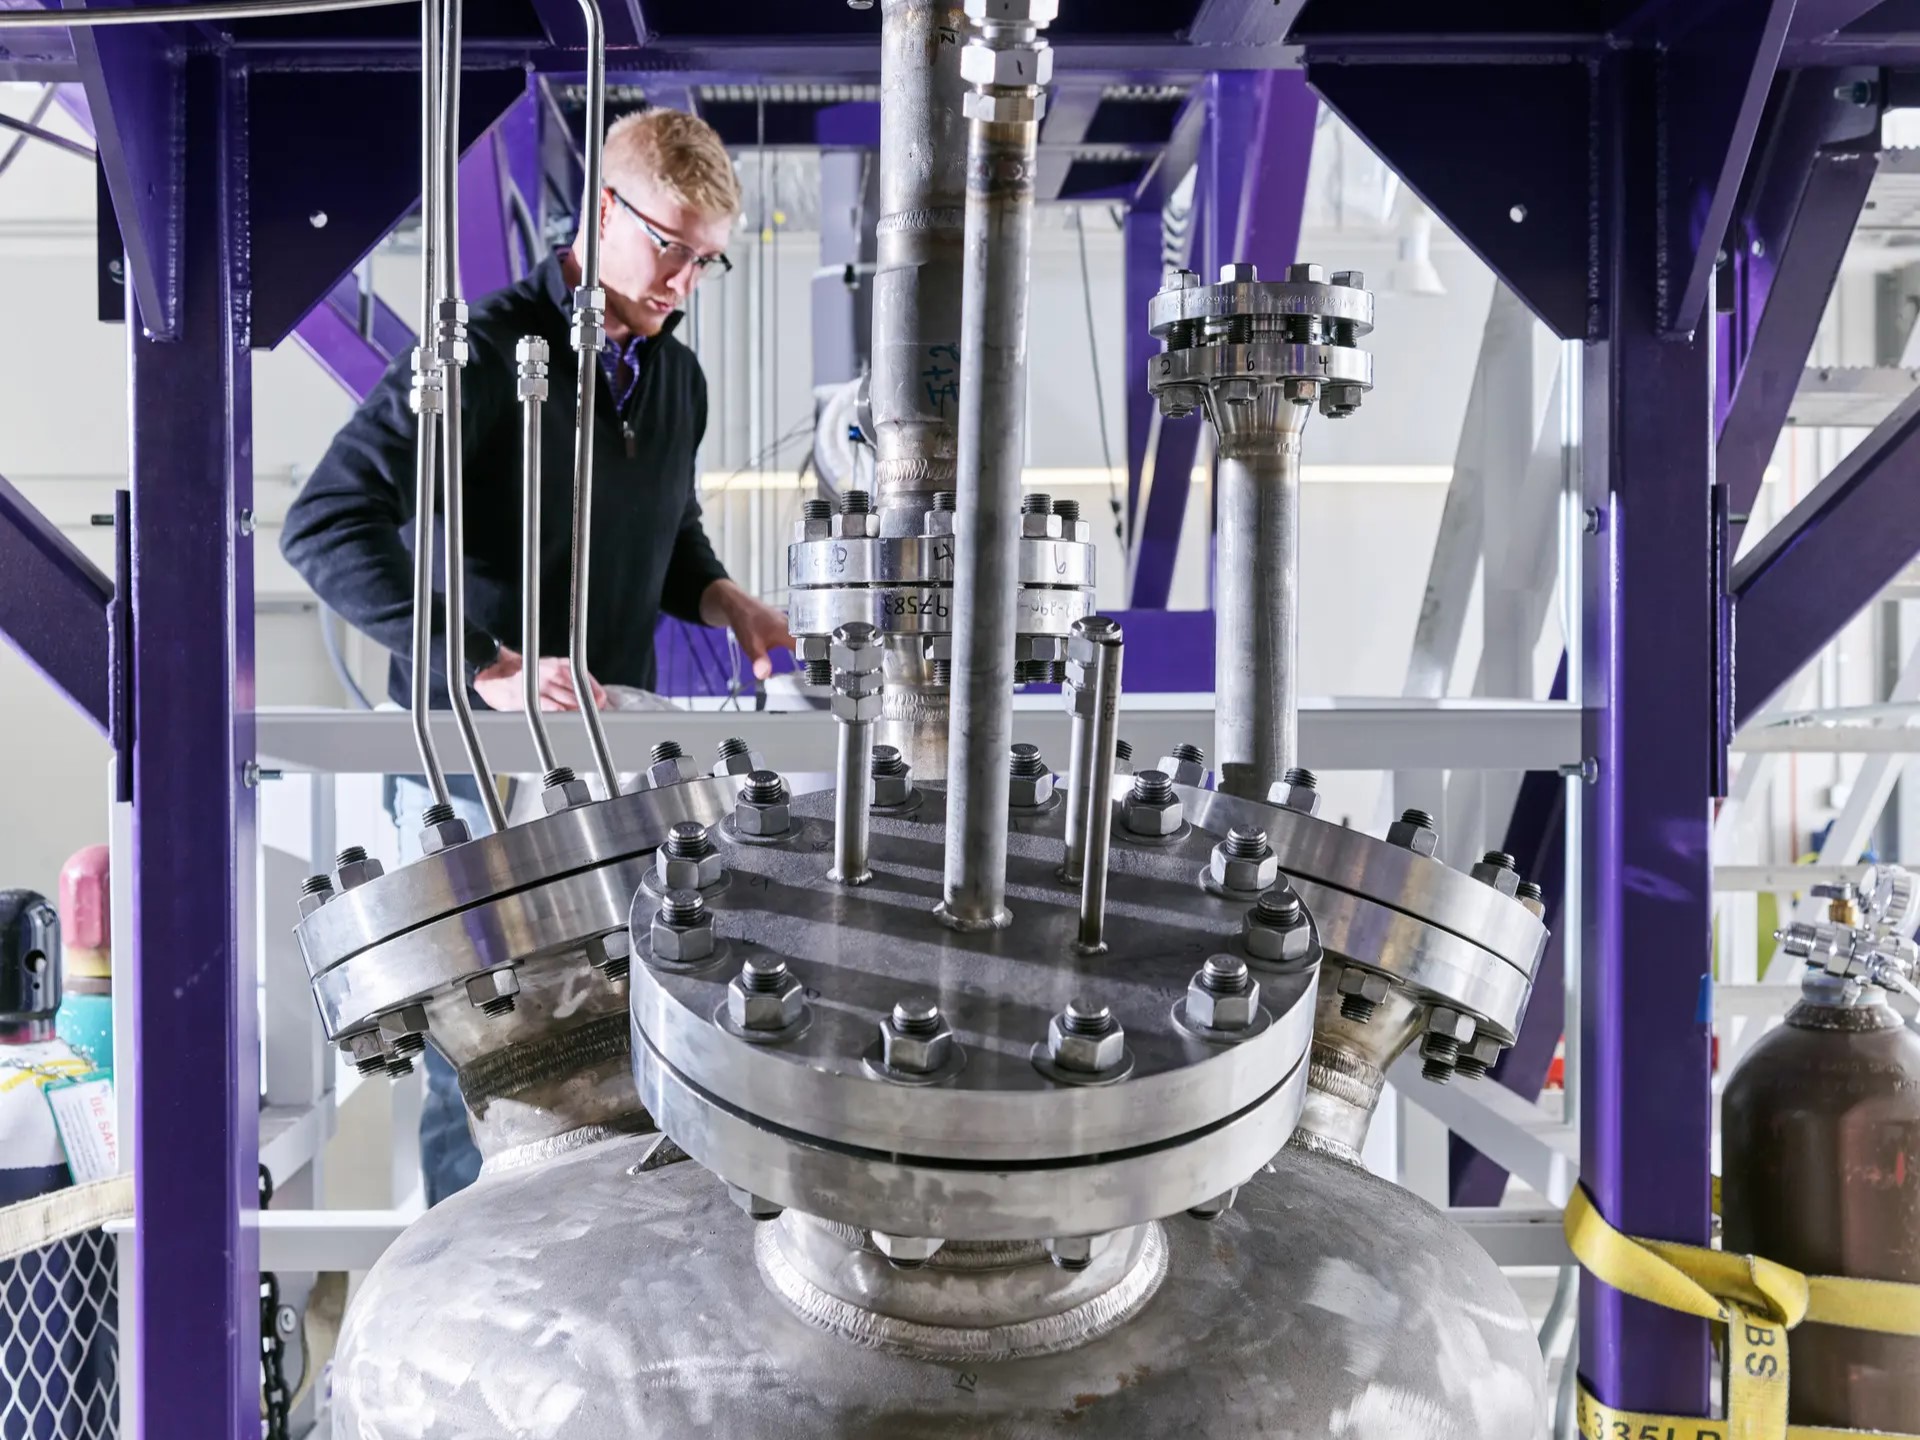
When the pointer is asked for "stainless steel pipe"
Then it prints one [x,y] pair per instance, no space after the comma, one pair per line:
[426,399]
[1100,640]
[533,383]
[857,652]
[1080,699]
[1256,603]
[450,341]
[1002,131]
[589,310]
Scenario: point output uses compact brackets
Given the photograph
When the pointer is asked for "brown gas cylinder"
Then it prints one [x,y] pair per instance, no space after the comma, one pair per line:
[1821,1148]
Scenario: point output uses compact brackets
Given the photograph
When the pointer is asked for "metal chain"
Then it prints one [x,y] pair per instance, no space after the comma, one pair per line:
[275,1397]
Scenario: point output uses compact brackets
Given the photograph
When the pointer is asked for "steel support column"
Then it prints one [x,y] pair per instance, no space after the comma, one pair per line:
[1649,689]
[1160,452]
[53,605]
[195,1253]
[1827,558]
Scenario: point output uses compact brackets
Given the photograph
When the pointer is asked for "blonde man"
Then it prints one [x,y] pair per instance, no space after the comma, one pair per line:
[664,215]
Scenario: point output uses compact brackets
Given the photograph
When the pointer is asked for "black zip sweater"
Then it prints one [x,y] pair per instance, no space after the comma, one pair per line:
[351,532]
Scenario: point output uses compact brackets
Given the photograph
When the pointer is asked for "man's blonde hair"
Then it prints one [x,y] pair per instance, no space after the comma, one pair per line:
[678,152]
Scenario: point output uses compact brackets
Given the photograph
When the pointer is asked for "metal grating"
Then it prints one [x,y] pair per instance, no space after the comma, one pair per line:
[798,94]
[1851,395]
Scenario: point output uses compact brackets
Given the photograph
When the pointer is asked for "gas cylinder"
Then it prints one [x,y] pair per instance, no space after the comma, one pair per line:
[32,1161]
[85,1020]
[1821,1156]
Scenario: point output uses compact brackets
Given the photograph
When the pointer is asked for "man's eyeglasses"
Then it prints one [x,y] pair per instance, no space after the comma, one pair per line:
[673,254]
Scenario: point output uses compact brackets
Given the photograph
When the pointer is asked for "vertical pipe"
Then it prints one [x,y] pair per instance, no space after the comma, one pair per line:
[589,307]
[451,340]
[857,652]
[1079,698]
[1256,615]
[993,360]
[1106,642]
[532,354]
[427,399]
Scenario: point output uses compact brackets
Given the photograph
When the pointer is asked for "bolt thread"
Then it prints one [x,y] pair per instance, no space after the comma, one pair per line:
[558,776]
[352,855]
[887,761]
[1247,842]
[1067,510]
[1152,786]
[1437,1070]
[499,1005]
[1224,975]
[618,967]
[316,885]
[818,672]
[1419,819]
[688,841]
[909,1020]
[763,977]
[1279,906]
[1036,503]
[1182,334]
[856,502]
[1084,1018]
[732,747]
[1023,760]
[412,1043]
[666,750]
[946,500]
[816,510]
[1357,1008]
[399,1067]
[1443,1048]
[1528,890]
[1123,750]
[1052,672]
[436,814]
[940,671]
[682,908]
[1302,777]
[1499,859]
[1472,1067]
[1023,672]
[1192,754]
[372,1064]
[764,787]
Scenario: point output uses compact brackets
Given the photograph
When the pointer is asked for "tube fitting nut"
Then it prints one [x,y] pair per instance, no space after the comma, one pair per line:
[983,63]
[1004,107]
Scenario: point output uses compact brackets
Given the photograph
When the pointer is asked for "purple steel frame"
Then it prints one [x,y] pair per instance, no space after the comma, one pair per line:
[54,605]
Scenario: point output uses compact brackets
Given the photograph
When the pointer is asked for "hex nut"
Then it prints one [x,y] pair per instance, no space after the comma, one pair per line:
[1421,839]
[1029,792]
[1040,527]
[915,1054]
[1239,272]
[311,903]
[812,647]
[856,659]
[363,1049]
[805,530]
[566,795]
[1303,799]
[1368,985]
[740,764]
[766,1009]
[983,64]
[1503,878]
[860,525]
[1183,772]
[356,873]
[1234,872]
[1277,944]
[1484,1051]
[683,943]
[1076,696]
[1179,400]
[907,1250]
[1003,107]
[754,1207]
[677,771]
[1076,1252]
[937,522]
[1236,390]
[1151,817]
[443,836]
[1445,1021]
[1088,1054]
[856,707]
[1217,1011]
[676,872]
[1015,12]
[495,985]
[401,1022]
[893,789]
[765,821]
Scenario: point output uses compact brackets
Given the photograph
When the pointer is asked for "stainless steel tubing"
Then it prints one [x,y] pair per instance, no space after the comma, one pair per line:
[532,354]
[1080,697]
[918,258]
[426,399]
[1103,669]
[451,339]
[1256,609]
[589,308]
[1003,126]
[857,652]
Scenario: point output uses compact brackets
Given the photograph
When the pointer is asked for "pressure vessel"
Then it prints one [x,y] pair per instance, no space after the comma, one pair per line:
[597,1293]
[1821,1171]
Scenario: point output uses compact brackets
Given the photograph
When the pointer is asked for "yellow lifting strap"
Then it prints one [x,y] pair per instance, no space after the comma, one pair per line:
[1757,1300]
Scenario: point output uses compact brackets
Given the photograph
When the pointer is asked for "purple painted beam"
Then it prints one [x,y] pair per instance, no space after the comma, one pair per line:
[1268,232]
[1715,85]
[195,1248]
[334,341]
[53,606]
[132,83]
[1160,452]
[1527,213]
[486,223]
[1648,647]
[1827,558]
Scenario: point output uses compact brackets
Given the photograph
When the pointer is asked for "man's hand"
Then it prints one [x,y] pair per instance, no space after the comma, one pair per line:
[759,628]
[501,683]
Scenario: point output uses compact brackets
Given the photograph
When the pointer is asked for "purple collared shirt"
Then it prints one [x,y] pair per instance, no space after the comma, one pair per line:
[622,363]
